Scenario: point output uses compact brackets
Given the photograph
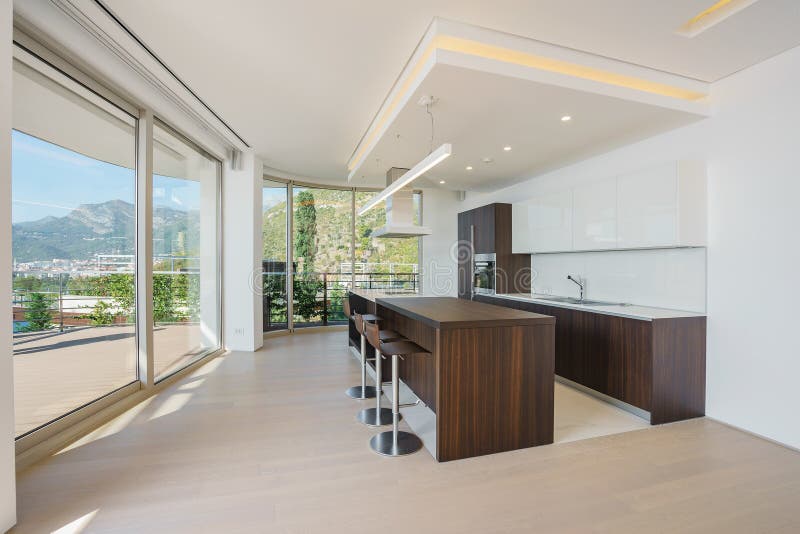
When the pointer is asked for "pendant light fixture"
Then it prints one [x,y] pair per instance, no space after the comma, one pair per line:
[433,158]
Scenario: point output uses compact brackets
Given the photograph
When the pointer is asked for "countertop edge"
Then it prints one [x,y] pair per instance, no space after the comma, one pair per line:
[454,325]
[668,314]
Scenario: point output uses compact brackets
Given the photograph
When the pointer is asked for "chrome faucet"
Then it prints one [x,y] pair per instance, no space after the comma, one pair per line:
[581,282]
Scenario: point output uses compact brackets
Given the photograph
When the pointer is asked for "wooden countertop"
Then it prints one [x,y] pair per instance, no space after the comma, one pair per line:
[450,313]
[372,294]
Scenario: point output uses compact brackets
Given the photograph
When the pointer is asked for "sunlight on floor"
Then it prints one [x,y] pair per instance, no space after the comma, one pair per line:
[118,424]
[174,402]
[77,526]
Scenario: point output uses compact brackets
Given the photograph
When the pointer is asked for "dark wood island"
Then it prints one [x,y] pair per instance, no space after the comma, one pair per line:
[489,377]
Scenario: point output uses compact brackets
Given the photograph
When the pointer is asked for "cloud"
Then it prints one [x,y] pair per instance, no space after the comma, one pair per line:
[42,204]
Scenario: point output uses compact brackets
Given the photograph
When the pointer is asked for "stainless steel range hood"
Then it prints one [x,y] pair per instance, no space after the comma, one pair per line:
[400,212]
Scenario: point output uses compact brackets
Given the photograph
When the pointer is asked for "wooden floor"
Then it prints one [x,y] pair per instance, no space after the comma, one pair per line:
[267,442]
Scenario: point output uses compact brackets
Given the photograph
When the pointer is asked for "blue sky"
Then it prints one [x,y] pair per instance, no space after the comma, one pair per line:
[51,180]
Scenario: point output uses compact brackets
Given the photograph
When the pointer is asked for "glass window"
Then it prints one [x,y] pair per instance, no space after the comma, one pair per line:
[322,227]
[384,263]
[73,228]
[186,295]
[274,258]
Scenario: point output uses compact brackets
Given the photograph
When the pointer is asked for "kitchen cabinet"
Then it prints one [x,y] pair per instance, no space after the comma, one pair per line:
[656,365]
[661,206]
[543,223]
[487,230]
[595,216]
[648,208]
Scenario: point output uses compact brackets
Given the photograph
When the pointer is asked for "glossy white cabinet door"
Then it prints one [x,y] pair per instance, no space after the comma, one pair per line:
[647,204]
[545,222]
[595,216]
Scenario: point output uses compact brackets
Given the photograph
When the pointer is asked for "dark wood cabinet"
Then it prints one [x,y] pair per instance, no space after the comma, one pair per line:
[487,230]
[657,365]
[464,254]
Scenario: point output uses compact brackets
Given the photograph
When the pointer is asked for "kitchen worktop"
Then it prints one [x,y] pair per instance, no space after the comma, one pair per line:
[372,294]
[630,311]
[450,312]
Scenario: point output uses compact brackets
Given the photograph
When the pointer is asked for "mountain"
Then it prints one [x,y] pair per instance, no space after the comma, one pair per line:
[104,228]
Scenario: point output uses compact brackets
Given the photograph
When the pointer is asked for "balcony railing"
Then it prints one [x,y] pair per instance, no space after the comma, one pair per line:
[100,299]
[318,296]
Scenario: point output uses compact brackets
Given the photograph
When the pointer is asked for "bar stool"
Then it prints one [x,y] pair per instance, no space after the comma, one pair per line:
[364,391]
[378,416]
[394,442]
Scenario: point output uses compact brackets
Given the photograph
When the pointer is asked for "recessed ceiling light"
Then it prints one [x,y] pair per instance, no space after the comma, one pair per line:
[442,182]
[469,167]
[487,160]
[507,148]
[566,118]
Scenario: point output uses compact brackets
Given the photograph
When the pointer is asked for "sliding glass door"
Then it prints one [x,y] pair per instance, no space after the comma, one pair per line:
[186,252]
[274,260]
[73,240]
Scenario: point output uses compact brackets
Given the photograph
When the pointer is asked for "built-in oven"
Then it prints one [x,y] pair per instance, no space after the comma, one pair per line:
[483,274]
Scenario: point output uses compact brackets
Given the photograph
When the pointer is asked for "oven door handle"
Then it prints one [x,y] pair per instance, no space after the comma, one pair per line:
[471,262]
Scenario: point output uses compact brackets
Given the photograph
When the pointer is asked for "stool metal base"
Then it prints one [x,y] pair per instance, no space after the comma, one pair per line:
[384,443]
[369,417]
[361,392]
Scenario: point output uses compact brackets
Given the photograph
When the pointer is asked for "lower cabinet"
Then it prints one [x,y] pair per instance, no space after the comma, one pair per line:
[658,365]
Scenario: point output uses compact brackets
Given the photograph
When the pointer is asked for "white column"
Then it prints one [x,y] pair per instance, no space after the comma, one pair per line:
[209,253]
[242,253]
[8,501]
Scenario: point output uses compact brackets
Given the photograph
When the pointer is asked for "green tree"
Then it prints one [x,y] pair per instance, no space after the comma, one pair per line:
[101,314]
[305,224]
[38,313]
[306,288]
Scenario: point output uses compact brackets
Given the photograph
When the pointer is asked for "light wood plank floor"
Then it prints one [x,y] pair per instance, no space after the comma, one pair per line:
[267,442]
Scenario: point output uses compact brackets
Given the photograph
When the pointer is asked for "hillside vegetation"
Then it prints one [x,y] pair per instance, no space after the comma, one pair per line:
[331,244]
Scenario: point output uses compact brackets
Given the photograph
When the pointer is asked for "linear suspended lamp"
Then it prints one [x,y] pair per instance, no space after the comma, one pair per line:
[432,160]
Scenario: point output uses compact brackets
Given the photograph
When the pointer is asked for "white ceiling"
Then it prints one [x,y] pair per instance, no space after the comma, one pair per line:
[301,81]
[479,113]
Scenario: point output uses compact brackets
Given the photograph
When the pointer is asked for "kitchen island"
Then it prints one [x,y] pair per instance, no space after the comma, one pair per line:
[488,374]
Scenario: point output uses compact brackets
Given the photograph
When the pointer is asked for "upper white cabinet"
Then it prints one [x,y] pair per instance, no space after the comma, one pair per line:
[648,208]
[663,206]
[594,216]
[543,223]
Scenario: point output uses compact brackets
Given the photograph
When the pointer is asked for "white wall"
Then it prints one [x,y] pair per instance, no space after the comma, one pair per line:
[241,212]
[8,504]
[751,147]
[668,278]
[439,212]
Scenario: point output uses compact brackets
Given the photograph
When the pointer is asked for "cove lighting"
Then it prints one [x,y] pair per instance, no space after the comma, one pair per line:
[712,16]
[432,160]
[488,51]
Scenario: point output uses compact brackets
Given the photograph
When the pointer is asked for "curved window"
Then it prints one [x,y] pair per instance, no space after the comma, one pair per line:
[331,250]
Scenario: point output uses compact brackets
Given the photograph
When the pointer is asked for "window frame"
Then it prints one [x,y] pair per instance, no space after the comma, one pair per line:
[43,60]
[290,184]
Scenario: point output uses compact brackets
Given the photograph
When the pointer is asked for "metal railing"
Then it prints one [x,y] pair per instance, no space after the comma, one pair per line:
[99,300]
[318,296]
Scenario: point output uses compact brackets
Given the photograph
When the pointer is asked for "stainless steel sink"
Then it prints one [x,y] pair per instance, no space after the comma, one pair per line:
[586,302]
